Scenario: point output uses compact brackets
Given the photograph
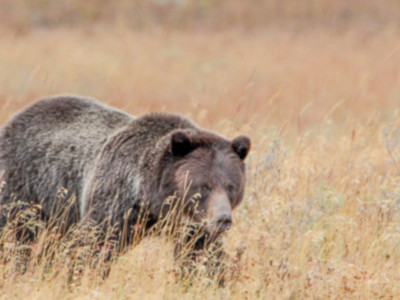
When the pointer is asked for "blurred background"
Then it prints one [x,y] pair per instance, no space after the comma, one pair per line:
[264,62]
[212,15]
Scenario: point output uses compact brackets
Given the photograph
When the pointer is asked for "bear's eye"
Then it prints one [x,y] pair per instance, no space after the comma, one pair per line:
[205,189]
[230,188]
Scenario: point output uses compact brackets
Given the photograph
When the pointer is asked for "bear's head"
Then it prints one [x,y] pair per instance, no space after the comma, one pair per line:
[209,176]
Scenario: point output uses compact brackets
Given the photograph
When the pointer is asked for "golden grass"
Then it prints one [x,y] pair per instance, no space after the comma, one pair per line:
[321,214]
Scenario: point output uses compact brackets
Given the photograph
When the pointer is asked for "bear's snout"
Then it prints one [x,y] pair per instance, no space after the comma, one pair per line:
[219,216]
[224,222]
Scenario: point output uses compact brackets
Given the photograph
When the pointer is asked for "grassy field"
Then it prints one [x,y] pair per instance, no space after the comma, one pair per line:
[321,213]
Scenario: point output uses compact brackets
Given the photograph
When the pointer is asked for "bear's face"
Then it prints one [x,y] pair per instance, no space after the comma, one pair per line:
[210,178]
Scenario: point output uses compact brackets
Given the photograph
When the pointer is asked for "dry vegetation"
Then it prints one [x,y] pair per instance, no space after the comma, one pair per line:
[321,216]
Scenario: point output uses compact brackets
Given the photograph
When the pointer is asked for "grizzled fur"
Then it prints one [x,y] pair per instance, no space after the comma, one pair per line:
[114,165]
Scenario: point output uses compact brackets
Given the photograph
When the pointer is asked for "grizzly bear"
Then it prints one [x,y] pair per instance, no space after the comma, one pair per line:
[115,165]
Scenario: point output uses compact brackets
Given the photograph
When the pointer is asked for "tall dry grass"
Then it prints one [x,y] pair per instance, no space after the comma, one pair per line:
[320,217]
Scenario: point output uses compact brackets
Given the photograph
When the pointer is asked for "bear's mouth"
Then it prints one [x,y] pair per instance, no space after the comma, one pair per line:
[212,229]
[215,229]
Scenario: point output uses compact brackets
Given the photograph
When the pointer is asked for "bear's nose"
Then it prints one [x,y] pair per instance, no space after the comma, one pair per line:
[224,223]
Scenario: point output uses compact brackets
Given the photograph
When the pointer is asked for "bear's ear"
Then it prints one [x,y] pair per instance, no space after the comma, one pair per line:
[180,144]
[241,145]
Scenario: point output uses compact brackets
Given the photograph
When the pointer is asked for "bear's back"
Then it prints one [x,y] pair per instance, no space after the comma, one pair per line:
[60,113]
